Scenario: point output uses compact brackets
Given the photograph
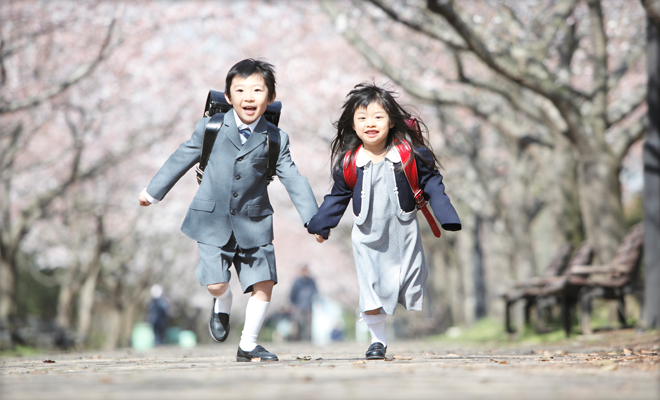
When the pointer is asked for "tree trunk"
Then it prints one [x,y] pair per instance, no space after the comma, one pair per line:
[563,198]
[480,288]
[7,288]
[64,306]
[600,201]
[518,219]
[651,316]
[86,301]
[499,272]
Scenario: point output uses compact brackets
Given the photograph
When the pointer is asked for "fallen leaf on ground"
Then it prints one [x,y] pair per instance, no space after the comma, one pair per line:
[604,362]
[609,367]
[304,358]
[49,361]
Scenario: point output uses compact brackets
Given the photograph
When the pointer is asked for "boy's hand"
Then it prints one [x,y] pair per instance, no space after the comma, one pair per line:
[320,239]
[143,199]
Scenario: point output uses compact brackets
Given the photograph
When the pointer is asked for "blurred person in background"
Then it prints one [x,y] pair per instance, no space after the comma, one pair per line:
[158,313]
[303,294]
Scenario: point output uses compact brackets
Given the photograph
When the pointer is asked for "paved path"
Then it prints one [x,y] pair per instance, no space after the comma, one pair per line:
[413,370]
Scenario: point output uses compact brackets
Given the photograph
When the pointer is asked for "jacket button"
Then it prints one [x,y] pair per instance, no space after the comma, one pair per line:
[238,177]
[235,194]
[232,212]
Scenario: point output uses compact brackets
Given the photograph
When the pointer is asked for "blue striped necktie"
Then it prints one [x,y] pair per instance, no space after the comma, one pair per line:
[245,132]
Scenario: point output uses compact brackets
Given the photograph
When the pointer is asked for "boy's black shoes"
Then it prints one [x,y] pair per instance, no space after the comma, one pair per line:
[258,354]
[376,351]
[218,325]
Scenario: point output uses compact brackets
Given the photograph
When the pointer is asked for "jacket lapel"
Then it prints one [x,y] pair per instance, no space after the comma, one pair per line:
[231,130]
[256,138]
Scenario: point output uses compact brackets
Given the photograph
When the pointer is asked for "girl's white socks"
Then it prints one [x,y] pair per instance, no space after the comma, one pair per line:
[255,313]
[223,302]
[376,324]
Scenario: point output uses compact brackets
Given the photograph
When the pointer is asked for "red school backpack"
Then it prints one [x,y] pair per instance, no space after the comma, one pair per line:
[409,168]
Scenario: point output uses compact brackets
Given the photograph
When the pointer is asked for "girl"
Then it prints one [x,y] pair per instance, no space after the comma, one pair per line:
[387,244]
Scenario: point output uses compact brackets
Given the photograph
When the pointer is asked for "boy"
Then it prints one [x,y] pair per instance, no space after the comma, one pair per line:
[231,215]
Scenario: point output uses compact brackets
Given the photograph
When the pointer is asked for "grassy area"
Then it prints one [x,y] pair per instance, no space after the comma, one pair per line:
[21,351]
[488,331]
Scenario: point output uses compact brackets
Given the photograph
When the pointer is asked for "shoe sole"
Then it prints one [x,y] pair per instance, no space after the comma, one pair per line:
[244,359]
[376,358]
[213,337]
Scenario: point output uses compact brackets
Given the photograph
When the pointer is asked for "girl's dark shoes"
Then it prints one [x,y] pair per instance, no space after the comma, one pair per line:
[258,353]
[376,351]
[218,325]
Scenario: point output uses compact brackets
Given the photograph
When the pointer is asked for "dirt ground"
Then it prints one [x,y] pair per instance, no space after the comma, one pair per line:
[612,365]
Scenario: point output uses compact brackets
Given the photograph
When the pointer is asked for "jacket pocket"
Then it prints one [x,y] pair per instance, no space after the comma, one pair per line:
[259,160]
[258,211]
[202,205]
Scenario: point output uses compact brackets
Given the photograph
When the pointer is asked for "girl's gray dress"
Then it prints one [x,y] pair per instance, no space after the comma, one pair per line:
[387,245]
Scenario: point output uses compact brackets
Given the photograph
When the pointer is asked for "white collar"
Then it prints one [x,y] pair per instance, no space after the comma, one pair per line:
[361,159]
[240,125]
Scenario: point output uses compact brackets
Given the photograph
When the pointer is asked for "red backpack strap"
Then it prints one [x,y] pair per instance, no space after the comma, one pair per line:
[413,123]
[350,168]
[410,170]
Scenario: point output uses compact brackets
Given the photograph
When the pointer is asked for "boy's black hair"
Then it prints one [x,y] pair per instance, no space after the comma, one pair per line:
[361,96]
[249,67]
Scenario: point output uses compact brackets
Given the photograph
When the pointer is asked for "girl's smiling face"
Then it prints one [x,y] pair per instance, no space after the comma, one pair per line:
[372,125]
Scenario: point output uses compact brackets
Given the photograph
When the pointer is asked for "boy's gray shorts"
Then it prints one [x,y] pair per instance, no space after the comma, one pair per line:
[252,265]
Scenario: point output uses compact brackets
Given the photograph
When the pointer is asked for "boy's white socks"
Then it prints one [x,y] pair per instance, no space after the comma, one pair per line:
[223,302]
[376,324]
[255,313]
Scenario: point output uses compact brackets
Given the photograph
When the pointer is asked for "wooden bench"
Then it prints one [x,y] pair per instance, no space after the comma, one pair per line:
[611,281]
[531,289]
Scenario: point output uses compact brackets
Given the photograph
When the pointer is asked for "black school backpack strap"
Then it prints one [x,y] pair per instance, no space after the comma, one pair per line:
[273,142]
[210,133]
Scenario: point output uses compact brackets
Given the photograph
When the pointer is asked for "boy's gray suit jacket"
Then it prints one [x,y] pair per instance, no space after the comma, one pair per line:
[232,196]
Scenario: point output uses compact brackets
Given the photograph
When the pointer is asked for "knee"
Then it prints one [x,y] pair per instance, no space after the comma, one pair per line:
[373,312]
[218,289]
[263,290]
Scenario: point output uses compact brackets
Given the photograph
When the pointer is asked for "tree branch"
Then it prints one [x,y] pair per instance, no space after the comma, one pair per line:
[76,76]
[598,112]
[561,97]
[557,22]
[426,26]
[622,108]
[628,136]
[652,8]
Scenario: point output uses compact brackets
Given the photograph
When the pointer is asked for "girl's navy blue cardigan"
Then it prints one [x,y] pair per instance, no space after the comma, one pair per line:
[430,181]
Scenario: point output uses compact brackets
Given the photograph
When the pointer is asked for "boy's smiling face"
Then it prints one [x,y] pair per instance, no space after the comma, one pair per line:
[249,97]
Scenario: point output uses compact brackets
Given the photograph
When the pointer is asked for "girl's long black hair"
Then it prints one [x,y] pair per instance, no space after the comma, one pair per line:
[361,96]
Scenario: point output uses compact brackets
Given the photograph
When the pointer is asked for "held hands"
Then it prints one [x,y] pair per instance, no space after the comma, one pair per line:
[320,239]
[143,199]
